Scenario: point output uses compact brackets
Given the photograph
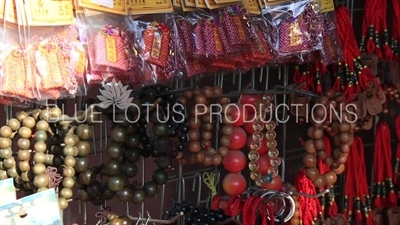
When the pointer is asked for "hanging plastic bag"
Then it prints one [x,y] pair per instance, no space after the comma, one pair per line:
[16,81]
[110,45]
[296,28]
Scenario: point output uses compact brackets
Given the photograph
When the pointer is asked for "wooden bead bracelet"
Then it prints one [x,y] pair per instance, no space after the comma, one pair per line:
[342,133]
[200,143]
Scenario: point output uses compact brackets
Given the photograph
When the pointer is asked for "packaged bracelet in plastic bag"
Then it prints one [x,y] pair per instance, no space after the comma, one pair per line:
[110,44]
[296,28]
[331,51]
[50,52]
[154,41]
[184,30]
[16,81]
[235,19]
[78,55]
[176,59]
[199,47]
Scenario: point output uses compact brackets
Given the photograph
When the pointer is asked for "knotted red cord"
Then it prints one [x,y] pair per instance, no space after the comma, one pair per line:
[396,27]
[308,206]
[387,163]
[351,54]
[362,183]
[378,168]
[349,183]
[333,208]
[233,206]
[248,210]
[396,174]
[215,202]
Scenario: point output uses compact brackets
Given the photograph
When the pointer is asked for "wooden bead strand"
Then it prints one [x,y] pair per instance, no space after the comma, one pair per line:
[201,127]
[342,133]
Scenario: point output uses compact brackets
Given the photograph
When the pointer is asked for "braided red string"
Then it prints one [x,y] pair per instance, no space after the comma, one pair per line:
[396,174]
[387,153]
[364,183]
[215,202]
[308,206]
[349,182]
[248,210]
[378,170]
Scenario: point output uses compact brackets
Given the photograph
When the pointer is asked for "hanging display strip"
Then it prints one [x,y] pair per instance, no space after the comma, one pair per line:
[53,54]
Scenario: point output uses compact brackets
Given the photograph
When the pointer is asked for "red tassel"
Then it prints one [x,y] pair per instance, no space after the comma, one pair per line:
[215,202]
[333,209]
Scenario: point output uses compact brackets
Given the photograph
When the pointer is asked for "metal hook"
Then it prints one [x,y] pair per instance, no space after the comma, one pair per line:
[140,217]
[148,218]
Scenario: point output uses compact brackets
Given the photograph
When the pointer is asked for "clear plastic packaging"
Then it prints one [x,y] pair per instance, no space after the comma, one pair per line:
[49,55]
[111,53]
[296,29]
[331,51]
[16,79]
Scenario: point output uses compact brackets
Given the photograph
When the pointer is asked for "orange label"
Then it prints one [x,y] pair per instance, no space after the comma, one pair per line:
[54,66]
[111,50]
[217,38]
[81,62]
[20,73]
[196,65]
[156,46]
[239,27]
[294,35]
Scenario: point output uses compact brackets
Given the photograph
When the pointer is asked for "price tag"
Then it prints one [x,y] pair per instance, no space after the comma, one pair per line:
[252,7]
[49,13]
[177,3]
[326,5]
[212,4]
[118,7]
[106,3]
[201,4]
[151,6]
[186,8]
[227,1]
[190,3]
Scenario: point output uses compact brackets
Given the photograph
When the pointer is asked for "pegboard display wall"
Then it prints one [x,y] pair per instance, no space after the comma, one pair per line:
[187,182]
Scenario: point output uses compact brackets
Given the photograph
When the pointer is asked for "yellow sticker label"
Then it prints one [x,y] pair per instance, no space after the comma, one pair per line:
[156,45]
[81,62]
[48,12]
[150,6]
[119,7]
[111,49]
[294,35]
[326,5]
[252,7]
[201,4]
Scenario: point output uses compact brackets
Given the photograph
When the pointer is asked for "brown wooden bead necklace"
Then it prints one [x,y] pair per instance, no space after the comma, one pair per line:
[200,142]
[342,133]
